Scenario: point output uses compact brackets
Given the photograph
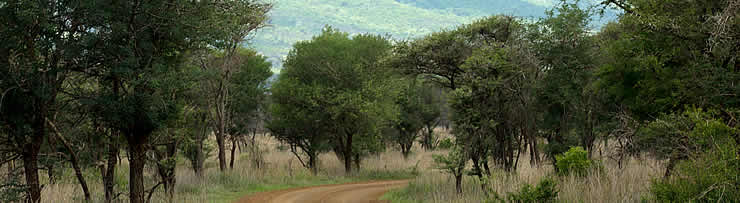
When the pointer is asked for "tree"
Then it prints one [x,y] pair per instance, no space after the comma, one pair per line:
[139,44]
[568,52]
[701,152]
[431,113]
[174,132]
[453,163]
[37,54]
[668,58]
[410,117]
[296,119]
[233,26]
[443,56]
[248,95]
[663,58]
[338,83]
[419,109]
[437,56]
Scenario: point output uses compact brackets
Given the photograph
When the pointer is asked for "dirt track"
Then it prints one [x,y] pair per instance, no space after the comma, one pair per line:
[344,193]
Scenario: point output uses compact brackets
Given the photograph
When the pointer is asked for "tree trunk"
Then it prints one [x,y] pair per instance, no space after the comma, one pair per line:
[80,177]
[357,161]
[486,169]
[30,169]
[534,155]
[479,172]
[428,138]
[50,173]
[137,160]
[197,162]
[406,150]
[233,149]
[167,172]
[30,156]
[72,159]
[109,171]
[199,159]
[312,163]
[221,150]
[255,152]
[458,183]
[348,154]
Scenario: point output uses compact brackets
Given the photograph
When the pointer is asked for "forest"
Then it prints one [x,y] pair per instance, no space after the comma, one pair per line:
[165,101]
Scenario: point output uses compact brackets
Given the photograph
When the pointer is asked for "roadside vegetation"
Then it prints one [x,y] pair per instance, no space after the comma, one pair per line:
[280,171]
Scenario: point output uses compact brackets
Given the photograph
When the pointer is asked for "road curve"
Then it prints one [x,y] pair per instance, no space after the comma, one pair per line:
[339,193]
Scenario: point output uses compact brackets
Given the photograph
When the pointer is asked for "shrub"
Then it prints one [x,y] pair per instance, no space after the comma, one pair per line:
[13,189]
[713,177]
[706,154]
[546,191]
[445,143]
[574,161]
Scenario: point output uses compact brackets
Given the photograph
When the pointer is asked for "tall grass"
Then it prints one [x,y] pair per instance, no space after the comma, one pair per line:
[612,184]
[281,170]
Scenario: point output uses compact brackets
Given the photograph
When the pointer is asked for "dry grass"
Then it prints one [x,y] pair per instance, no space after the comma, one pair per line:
[283,170]
[628,184]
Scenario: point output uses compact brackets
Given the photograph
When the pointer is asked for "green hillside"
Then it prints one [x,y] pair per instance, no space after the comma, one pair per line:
[295,20]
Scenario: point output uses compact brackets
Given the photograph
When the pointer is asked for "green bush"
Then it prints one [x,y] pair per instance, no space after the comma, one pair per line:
[445,143]
[574,161]
[713,177]
[13,189]
[707,170]
[546,191]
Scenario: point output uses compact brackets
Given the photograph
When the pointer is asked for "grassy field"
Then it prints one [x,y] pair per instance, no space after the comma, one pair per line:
[282,170]
[613,184]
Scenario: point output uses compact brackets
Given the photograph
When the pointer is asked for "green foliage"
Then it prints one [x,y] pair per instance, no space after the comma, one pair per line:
[418,109]
[707,155]
[575,161]
[571,109]
[711,177]
[13,189]
[661,57]
[248,90]
[445,143]
[402,20]
[545,191]
[453,162]
[488,100]
[333,93]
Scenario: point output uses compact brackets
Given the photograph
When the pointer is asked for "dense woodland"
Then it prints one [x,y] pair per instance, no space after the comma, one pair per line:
[84,84]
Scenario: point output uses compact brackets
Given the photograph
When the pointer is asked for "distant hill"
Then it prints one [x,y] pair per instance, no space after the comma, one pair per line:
[296,20]
[483,7]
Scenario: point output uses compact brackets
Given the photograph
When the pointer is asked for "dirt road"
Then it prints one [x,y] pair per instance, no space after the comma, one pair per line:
[344,193]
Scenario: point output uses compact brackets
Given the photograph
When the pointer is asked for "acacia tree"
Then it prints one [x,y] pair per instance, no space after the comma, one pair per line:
[666,59]
[233,26]
[174,132]
[38,51]
[294,121]
[339,78]
[432,105]
[571,109]
[417,110]
[248,95]
[140,43]
[441,57]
